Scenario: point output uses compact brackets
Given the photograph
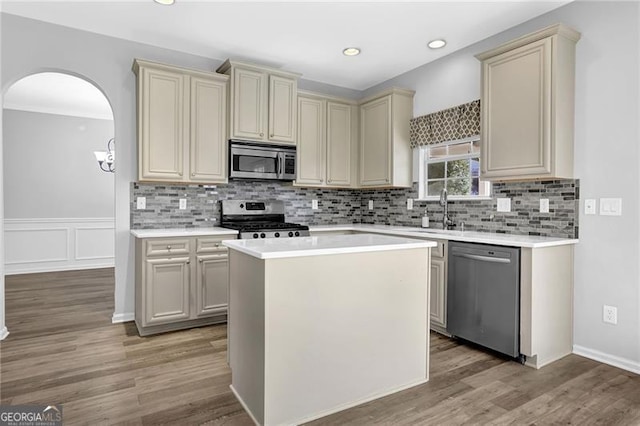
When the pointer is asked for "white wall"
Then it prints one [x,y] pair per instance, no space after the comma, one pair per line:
[607,157]
[50,168]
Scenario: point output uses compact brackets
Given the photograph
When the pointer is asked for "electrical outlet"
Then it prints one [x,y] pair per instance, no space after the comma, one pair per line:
[409,203]
[370,204]
[590,206]
[183,204]
[504,204]
[314,204]
[610,314]
[544,205]
[141,203]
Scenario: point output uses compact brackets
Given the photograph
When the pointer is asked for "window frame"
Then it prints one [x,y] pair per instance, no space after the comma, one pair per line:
[422,170]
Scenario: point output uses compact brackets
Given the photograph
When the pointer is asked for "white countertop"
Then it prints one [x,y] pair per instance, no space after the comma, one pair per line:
[271,248]
[181,232]
[528,241]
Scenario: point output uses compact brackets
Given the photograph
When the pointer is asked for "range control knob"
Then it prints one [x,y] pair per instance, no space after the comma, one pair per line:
[291,234]
[262,235]
[297,234]
[255,235]
[277,234]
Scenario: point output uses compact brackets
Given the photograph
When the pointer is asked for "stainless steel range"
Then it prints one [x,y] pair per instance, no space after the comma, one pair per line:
[259,219]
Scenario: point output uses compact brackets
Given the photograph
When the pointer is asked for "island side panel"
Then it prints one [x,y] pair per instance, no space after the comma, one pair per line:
[245,331]
[343,329]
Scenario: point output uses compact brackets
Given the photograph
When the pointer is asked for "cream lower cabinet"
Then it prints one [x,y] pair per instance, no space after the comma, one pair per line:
[182,117]
[439,287]
[326,142]
[527,109]
[385,154]
[180,283]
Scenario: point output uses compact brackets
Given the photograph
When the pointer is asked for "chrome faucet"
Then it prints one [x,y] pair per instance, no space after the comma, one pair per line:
[444,202]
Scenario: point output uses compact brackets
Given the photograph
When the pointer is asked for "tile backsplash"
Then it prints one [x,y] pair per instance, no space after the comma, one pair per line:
[351,206]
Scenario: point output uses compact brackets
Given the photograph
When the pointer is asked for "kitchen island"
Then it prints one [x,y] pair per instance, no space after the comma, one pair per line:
[320,324]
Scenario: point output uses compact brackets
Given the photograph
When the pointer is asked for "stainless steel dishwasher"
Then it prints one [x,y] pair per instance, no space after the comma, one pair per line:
[483,295]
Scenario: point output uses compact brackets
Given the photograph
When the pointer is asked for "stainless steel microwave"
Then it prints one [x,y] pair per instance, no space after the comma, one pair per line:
[248,160]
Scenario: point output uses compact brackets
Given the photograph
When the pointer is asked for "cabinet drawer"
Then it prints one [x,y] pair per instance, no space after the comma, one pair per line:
[168,247]
[211,245]
[440,250]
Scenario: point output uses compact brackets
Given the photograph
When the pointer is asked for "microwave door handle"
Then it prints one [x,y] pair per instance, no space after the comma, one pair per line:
[279,165]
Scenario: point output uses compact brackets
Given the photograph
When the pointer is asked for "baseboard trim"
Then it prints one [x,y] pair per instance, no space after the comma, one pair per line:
[20,271]
[126,317]
[624,363]
[4,333]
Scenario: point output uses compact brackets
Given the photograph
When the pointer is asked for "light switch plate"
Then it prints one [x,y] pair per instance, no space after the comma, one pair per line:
[141,203]
[611,206]
[370,204]
[409,203]
[504,204]
[314,204]
[590,206]
[544,205]
[183,204]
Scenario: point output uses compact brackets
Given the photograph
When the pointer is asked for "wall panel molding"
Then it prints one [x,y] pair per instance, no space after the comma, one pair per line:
[58,244]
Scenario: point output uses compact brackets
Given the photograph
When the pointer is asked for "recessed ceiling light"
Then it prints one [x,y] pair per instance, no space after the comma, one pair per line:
[165,2]
[351,51]
[437,43]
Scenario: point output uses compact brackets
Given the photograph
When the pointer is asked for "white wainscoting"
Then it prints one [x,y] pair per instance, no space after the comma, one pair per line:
[45,245]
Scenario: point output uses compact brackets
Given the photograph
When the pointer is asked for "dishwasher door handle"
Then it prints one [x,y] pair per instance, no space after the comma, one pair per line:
[483,258]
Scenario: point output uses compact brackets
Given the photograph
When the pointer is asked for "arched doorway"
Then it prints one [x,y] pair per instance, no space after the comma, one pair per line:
[58,201]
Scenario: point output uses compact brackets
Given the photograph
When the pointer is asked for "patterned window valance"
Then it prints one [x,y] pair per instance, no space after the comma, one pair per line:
[459,122]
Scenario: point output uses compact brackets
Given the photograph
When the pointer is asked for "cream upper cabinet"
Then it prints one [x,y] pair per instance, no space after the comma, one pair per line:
[310,154]
[263,104]
[340,143]
[181,124]
[385,153]
[527,109]
[327,141]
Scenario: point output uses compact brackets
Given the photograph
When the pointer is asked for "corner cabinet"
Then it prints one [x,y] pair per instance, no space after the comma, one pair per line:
[180,283]
[263,103]
[326,142]
[385,153]
[181,124]
[527,112]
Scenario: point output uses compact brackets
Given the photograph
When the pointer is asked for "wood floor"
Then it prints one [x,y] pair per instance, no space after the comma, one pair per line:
[63,349]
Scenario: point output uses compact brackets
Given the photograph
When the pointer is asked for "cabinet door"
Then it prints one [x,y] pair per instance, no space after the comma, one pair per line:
[249,104]
[166,290]
[438,293]
[208,145]
[339,144]
[311,145]
[375,148]
[212,282]
[516,112]
[163,129]
[282,109]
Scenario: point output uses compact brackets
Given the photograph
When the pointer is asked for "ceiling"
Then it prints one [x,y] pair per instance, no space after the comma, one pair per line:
[304,36]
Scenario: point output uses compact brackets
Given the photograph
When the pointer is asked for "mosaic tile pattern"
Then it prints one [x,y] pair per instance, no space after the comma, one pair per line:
[455,123]
[335,206]
[481,215]
[338,206]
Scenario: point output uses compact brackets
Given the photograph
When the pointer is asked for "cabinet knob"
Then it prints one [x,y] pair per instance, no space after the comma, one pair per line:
[193,174]
[217,245]
[271,135]
[261,134]
[168,247]
[179,173]
[321,180]
[200,260]
[188,262]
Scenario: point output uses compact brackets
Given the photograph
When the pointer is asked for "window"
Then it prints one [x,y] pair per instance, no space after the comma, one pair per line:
[452,165]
